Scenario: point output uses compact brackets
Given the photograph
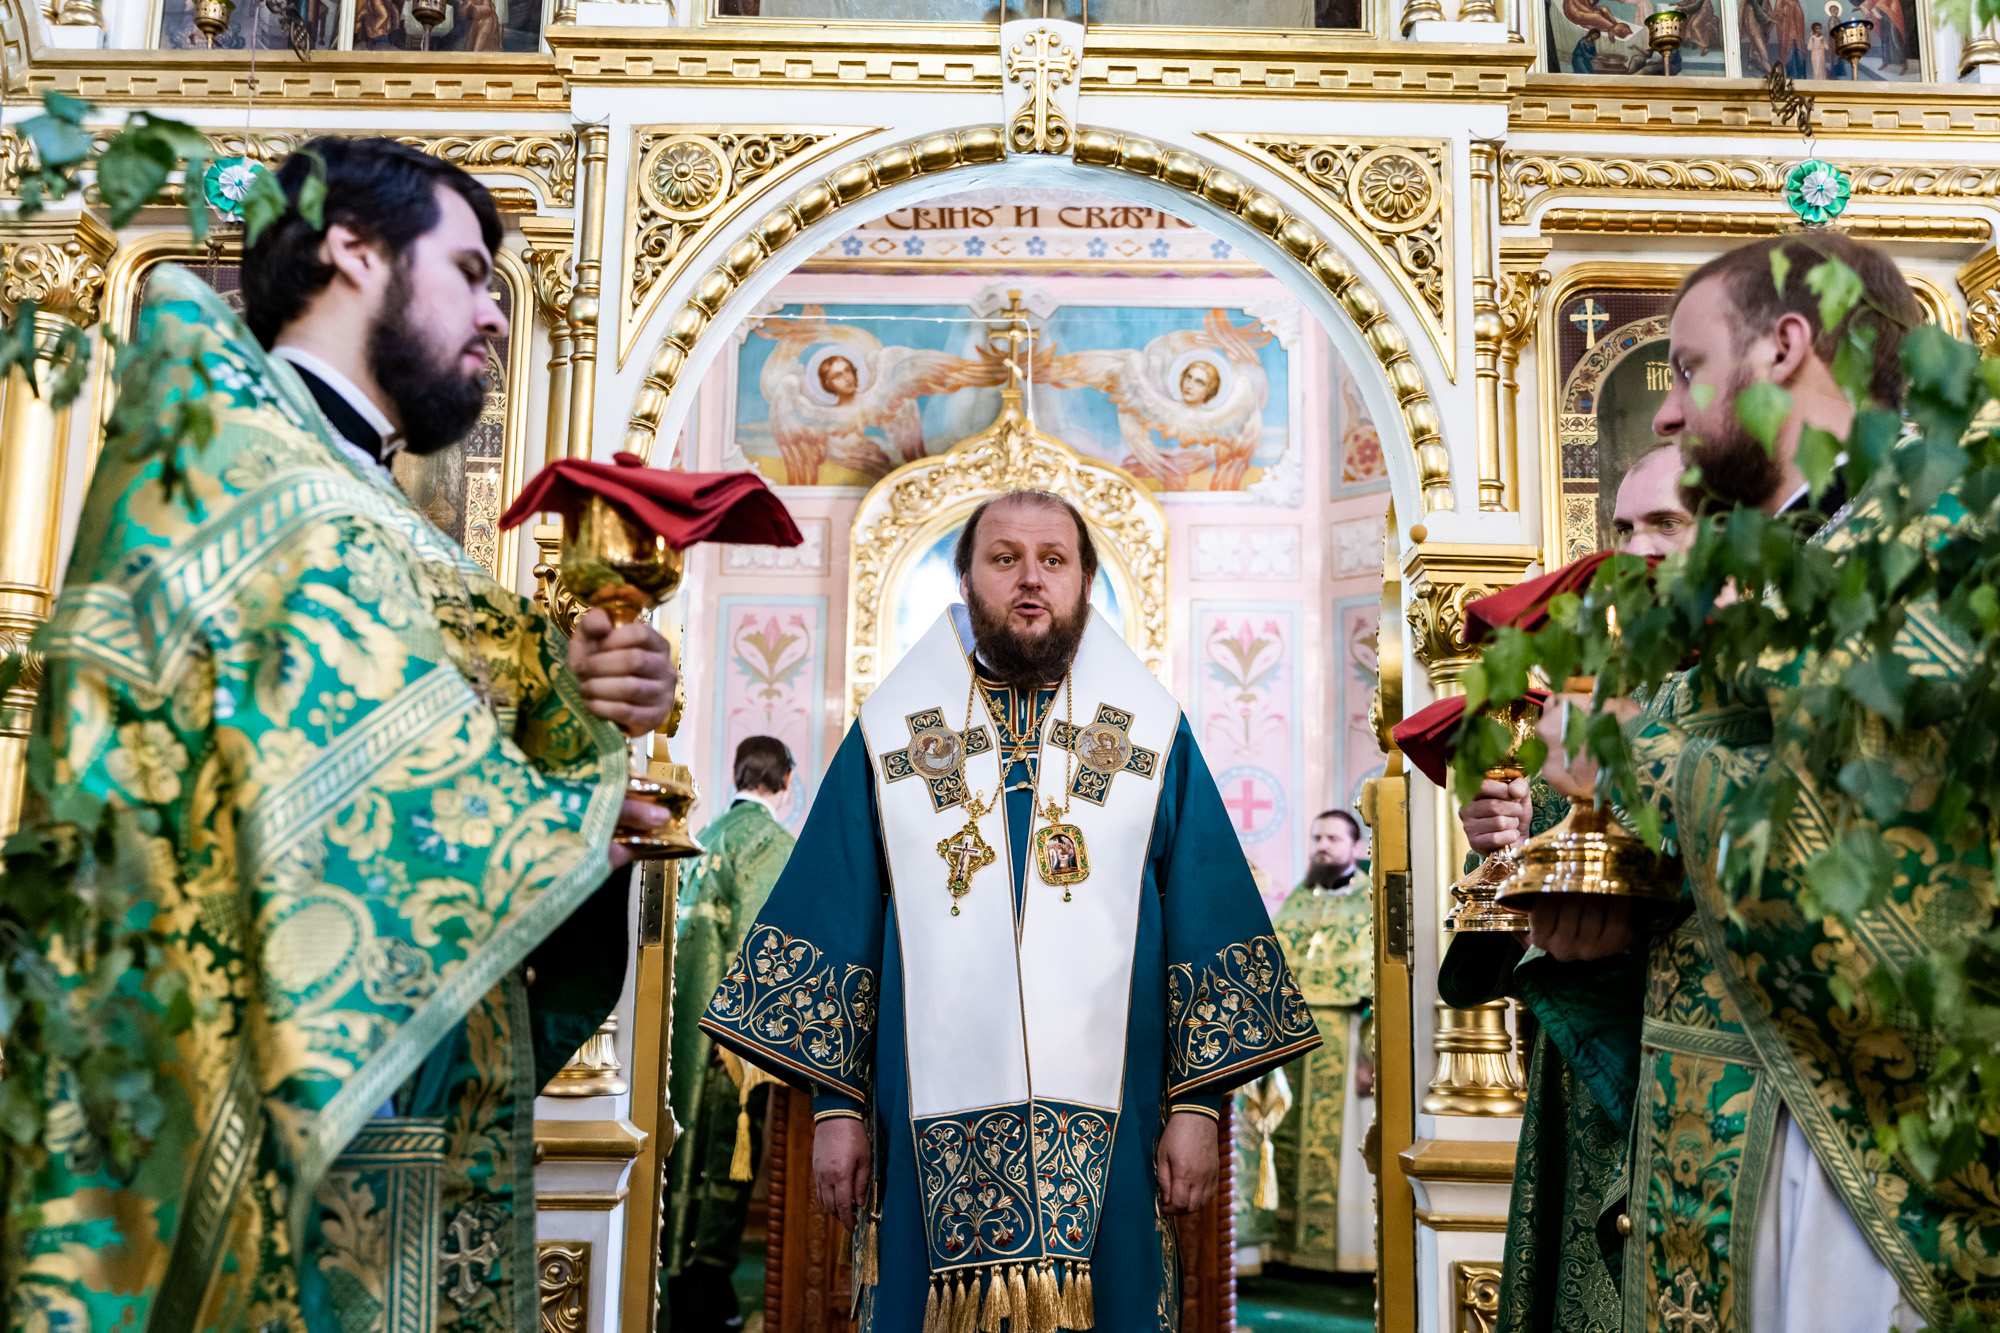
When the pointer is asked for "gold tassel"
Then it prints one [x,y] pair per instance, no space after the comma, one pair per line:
[868,1266]
[1072,1300]
[1267,1178]
[997,1305]
[966,1318]
[739,1161]
[1017,1296]
[933,1314]
[1086,1305]
[1042,1299]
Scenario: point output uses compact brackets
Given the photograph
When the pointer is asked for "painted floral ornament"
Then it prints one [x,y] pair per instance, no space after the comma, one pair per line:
[227,181]
[1817,191]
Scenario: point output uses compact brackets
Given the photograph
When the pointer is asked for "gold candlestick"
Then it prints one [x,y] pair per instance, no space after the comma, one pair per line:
[1477,894]
[1851,40]
[610,560]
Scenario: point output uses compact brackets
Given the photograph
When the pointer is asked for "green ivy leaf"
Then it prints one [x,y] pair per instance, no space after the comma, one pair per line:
[1763,408]
[1781,268]
[1703,395]
[1838,288]
[1818,456]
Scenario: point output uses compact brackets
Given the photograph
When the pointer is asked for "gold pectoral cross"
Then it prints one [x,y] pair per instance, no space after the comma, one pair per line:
[965,853]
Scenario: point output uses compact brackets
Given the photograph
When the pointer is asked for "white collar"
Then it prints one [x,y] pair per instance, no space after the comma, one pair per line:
[1797,495]
[769,803]
[392,439]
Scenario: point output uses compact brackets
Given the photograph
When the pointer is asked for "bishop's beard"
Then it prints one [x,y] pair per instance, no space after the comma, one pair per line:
[1026,661]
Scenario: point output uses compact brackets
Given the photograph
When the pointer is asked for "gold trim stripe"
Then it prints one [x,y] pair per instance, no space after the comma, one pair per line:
[1460,1221]
[565,1201]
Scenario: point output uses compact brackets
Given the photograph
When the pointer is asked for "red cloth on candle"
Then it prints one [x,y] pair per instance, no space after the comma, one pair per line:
[1425,736]
[683,507]
[1525,606]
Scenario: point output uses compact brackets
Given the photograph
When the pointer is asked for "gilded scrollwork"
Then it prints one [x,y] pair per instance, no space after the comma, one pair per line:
[1440,580]
[1477,1288]
[550,255]
[1526,176]
[1519,297]
[1392,194]
[686,182]
[563,1271]
[1979,279]
[546,159]
[63,277]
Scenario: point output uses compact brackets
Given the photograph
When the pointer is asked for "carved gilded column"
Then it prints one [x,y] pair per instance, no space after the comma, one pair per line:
[1476,1070]
[1523,280]
[1483,162]
[80,14]
[1479,11]
[1979,279]
[1420,11]
[58,263]
[595,150]
[551,243]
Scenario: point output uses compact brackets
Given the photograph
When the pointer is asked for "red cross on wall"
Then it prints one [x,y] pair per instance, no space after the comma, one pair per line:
[1248,804]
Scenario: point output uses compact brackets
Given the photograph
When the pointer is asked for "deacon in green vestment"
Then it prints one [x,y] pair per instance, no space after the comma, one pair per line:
[1565,1247]
[1326,925]
[1019,1016]
[721,1118]
[1759,1197]
[347,783]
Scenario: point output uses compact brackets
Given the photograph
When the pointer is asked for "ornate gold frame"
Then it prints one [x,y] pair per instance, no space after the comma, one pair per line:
[129,266]
[907,511]
[1549,390]
[1937,303]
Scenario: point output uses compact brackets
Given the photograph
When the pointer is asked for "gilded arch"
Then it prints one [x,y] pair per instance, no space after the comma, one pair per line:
[1176,168]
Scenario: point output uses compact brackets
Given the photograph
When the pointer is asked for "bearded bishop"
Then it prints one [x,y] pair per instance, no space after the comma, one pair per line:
[1018,958]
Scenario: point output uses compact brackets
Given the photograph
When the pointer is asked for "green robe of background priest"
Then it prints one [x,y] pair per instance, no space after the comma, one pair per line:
[1323,1215]
[717,1100]
[1564,1251]
[1758,1197]
[1019,958]
[350,781]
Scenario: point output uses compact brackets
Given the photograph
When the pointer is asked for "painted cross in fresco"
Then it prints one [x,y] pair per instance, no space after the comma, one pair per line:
[1246,714]
[771,664]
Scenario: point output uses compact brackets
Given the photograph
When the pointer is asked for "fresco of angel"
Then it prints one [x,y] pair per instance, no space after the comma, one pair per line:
[1201,391]
[829,385]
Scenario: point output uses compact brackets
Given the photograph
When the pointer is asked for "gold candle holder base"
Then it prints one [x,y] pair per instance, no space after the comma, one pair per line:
[1477,895]
[1476,1073]
[673,788]
[1591,853]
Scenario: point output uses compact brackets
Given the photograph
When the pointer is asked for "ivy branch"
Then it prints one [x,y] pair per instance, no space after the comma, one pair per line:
[1807,633]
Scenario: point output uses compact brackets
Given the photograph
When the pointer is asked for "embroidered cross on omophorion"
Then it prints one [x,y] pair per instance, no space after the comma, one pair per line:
[937,754]
[1104,749]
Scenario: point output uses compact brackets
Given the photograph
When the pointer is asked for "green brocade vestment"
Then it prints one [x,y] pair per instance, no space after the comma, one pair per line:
[1562,1257]
[351,778]
[1328,938]
[721,893]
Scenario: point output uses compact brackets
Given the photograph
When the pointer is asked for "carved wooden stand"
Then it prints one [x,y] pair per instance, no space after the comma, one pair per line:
[807,1253]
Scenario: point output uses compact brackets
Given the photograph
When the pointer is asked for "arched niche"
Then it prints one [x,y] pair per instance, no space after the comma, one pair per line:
[905,517]
[1366,328]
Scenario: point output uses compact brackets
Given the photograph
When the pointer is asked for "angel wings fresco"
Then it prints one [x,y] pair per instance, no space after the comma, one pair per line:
[1201,390]
[828,385]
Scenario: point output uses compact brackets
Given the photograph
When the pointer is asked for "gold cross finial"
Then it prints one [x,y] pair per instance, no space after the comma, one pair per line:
[1019,337]
[1042,63]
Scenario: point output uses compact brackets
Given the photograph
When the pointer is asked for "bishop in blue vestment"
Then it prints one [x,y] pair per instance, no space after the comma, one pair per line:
[1019,946]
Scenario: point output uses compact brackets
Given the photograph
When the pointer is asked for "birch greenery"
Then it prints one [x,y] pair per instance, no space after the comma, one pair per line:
[1809,634]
